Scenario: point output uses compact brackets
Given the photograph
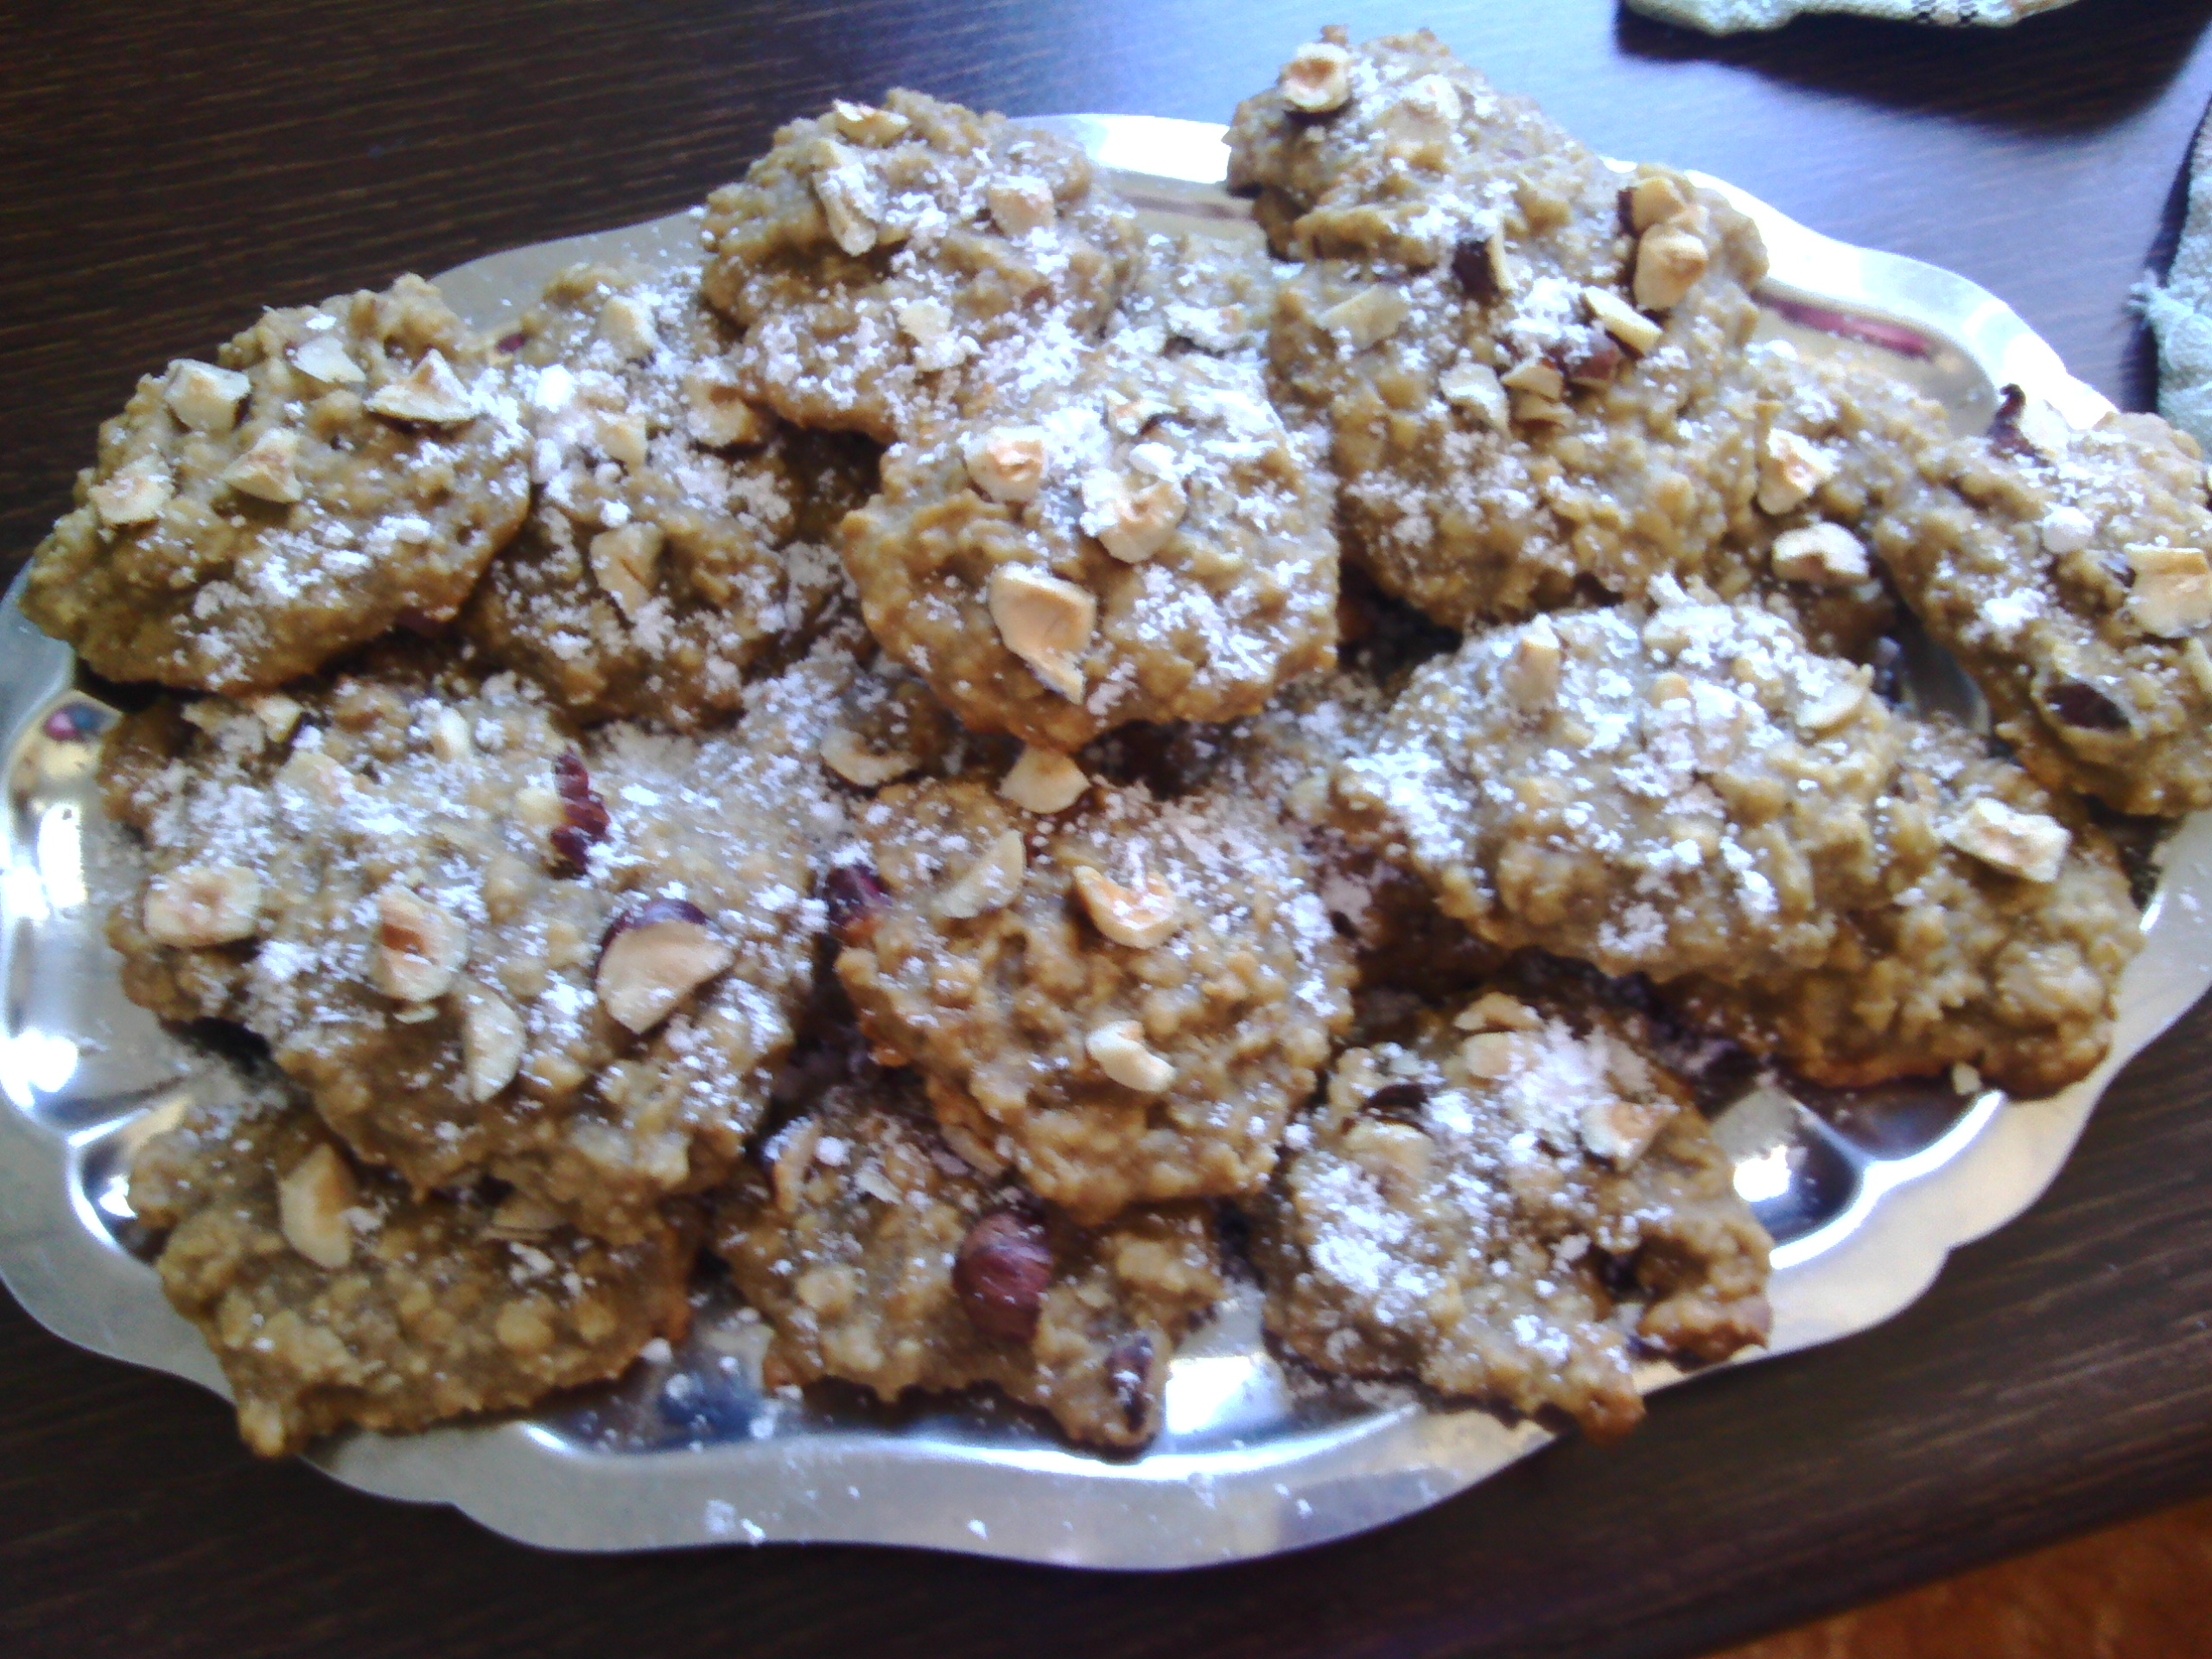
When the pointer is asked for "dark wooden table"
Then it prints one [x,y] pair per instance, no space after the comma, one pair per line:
[163,171]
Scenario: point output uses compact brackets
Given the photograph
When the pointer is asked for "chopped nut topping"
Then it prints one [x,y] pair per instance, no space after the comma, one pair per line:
[1621,320]
[1008,462]
[1669,258]
[490,1044]
[1132,524]
[1043,782]
[2025,844]
[1476,386]
[1536,378]
[1369,317]
[716,414]
[2198,662]
[1428,110]
[622,439]
[277,714]
[1531,676]
[1489,1056]
[1482,268]
[431,395]
[1827,556]
[2067,530]
[851,205]
[653,958]
[204,397]
[928,323]
[135,495]
[1832,708]
[1021,205]
[320,357]
[203,905]
[1790,469]
[626,563]
[1318,79]
[450,738]
[846,755]
[1045,622]
[992,882]
[1149,916]
[1119,1048]
[419,947]
[864,124]
[311,1204]
[316,775]
[2172,595]
[1619,1131]
[267,471]
[1496,1011]
[2025,425]
[1531,409]
[626,324]
[1129,417]
[521,1216]
[1653,200]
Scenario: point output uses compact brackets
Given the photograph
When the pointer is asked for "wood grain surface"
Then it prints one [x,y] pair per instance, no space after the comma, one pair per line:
[168,169]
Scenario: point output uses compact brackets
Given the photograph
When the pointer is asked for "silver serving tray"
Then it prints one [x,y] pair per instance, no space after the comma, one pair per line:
[1865,1197]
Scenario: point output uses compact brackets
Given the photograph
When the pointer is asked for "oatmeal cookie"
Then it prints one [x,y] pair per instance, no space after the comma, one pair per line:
[1682,790]
[483,946]
[1535,370]
[1123,1002]
[1497,1206]
[2071,581]
[678,546]
[1144,542]
[889,266]
[334,1296]
[880,1257]
[1983,948]
[342,468]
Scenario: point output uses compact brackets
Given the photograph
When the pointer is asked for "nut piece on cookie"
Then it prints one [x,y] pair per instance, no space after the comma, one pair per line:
[203,905]
[1046,622]
[1825,555]
[311,1205]
[1140,917]
[895,1265]
[419,947]
[1318,78]
[243,524]
[1043,782]
[2027,845]
[655,957]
